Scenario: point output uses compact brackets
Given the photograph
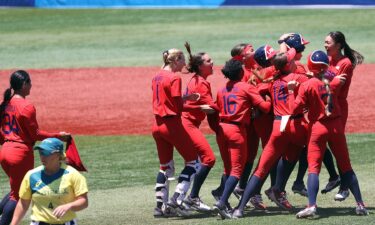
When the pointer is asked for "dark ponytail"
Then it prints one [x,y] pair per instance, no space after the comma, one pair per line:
[17,80]
[355,57]
[194,60]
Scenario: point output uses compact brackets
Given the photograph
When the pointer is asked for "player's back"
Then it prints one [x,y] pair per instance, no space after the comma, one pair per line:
[165,86]
[17,113]
[279,93]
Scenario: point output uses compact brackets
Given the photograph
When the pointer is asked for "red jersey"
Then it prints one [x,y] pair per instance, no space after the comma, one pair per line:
[19,123]
[198,84]
[165,86]
[342,66]
[300,68]
[246,75]
[313,94]
[235,101]
[280,94]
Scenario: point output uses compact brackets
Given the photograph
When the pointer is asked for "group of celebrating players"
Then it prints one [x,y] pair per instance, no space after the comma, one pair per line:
[269,97]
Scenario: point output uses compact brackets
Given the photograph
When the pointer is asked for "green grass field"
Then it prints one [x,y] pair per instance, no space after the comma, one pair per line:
[122,172]
[41,38]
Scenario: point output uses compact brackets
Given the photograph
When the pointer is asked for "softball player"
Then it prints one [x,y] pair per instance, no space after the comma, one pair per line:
[342,60]
[201,65]
[168,132]
[324,126]
[234,100]
[55,190]
[260,126]
[287,138]
[20,131]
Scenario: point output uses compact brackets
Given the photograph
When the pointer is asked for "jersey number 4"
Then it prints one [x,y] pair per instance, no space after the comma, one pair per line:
[280,94]
[10,124]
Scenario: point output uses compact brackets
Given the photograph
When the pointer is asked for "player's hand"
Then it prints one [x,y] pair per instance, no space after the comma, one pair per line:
[253,80]
[61,210]
[292,85]
[342,78]
[207,109]
[192,97]
[309,74]
[268,98]
[64,136]
[284,36]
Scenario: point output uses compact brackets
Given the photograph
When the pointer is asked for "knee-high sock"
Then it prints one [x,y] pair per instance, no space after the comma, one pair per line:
[229,187]
[312,187]
[330,165]
[220,189]
[350,180]
[8,211]
[284,169]
[199,178]
[3,202]
[273,175]
[245,175]
[302,167]
[254,184]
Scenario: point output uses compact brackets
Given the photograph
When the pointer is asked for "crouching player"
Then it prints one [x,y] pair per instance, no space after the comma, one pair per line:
[325,126]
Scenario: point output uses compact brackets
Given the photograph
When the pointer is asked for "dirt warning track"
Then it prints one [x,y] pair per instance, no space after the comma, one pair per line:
[110,101]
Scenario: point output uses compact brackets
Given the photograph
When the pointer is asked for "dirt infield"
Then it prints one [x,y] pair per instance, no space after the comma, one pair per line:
[109,101]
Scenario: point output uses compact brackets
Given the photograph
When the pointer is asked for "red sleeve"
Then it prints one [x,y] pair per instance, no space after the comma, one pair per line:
[28,120]
[296,104]
[263,88]
[257,100]
[176,86]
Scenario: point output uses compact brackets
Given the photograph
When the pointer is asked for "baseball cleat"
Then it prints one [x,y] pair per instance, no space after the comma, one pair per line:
[237,213]
[280,199]
[307,212]
[341,195]
[179,208]
[257,202]
[216,194]
[361,210]
[299,188]
[222,210]
[238,192]
[332,184]
[196,204]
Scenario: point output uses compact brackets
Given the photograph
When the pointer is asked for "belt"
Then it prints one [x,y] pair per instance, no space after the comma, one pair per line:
[6,140]
[292,117]
[44,223]
[231,122]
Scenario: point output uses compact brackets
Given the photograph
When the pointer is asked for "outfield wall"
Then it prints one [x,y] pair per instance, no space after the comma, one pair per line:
[174,3]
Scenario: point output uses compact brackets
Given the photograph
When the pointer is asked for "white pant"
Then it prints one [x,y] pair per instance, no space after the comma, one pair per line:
[67,223]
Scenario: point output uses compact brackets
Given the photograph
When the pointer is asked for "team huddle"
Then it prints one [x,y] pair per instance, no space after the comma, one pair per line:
[270,97]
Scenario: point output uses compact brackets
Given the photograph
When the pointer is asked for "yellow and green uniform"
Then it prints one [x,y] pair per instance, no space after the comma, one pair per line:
[47,192]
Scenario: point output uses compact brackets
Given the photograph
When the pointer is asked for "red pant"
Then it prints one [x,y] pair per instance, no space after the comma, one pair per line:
[16,159]
[168,133]
[287,144]
[205,153]
[344,109]
[321,132]
[259,129]
[231,139]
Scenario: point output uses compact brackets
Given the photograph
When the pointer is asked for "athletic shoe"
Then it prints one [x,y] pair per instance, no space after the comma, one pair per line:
[268,193]
[238,192]
[179,208]
[257,202]
[331,185]
[196,204]
[223,211]
[237,214]
[280,199]
[299,188]
[341,195]
[307,212]
[361,210]
[216,195]
[158,212]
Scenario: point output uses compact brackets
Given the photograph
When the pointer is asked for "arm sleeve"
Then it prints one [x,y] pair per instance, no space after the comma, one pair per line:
[258,101]
[296,103]
[29,122]
[79,184]
[207,96]
[176,86]
[25,191]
